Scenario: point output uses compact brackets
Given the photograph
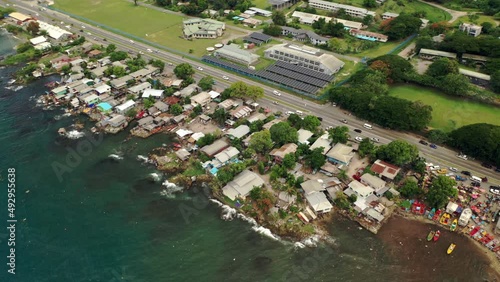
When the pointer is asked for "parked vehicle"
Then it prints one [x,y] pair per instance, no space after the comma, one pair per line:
[367,126]
[460,178]
[423,142]
[495,190]
[344,121]
[487,165]
[433,146]
[475,178]
[358,139]
[454,169]
[484,179]
[357,130]
[375,139]
[475,184]
[442,171]
[465,172]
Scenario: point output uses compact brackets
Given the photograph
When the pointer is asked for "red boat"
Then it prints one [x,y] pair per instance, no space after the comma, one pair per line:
[177,146]
[436,236]
[437,215]
[474,231]
[140,114]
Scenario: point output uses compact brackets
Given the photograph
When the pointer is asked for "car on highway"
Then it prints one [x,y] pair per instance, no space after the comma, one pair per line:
[434,167]
[487,165]
[462,156]
[89,34]
[170,64]
[475,184]
[274,102]
[465,172]
[423,142]
[320,118]
[358,139]
[276,93]
[149,50]
[225,77]
[289,112]
[460,178]
[83,26]
[344,121]
[433,146]
[454,169]
[131,41]
[495,190]
[357,130]
[140,52]
[375,139]
[199,68]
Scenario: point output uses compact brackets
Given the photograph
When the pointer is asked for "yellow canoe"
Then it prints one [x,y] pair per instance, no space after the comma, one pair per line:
[451,248]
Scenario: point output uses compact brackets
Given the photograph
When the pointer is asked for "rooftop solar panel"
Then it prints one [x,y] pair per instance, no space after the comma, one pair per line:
[305,71]
[297,76]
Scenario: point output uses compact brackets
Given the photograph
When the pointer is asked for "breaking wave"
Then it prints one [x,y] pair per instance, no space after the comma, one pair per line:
[115,157]
[142,158]
[170,189]
[75,134]
[154,176]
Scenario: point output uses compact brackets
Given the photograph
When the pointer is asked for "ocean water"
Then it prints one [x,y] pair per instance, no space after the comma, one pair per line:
[85,216]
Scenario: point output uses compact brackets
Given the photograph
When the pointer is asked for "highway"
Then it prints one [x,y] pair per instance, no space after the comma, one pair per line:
[286,102]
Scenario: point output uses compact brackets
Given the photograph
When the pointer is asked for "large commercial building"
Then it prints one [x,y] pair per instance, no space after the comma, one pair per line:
[307,18]
[334,7]
[203,28]
[233,53]
[306,57]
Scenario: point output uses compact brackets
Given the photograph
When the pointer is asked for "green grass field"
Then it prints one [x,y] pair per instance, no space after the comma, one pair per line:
[146,23]
[263,4]
[480,20]
[433,14]
[448,113]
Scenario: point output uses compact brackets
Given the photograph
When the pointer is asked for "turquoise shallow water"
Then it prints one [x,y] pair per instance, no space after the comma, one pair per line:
[108,221]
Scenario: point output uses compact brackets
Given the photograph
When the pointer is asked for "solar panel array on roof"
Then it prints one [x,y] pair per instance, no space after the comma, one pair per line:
[231,66]
[260,36]
[298,85]
[251,40]
[297,76]
[308,72]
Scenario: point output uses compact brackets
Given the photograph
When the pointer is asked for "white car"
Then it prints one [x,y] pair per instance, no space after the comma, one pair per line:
[225,77]
[454,169]
[358,139]
[149,50]
[88,33]
[83,26]
[140,52]
[434,167]
[132,41]
[289,112]
[199,68]
[463,157]
[276,93]
[375,139]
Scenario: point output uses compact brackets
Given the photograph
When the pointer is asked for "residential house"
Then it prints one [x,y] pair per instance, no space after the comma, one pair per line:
[359,189]
[195,137]
[340,154]
[155,93]
[319,203]
[256,117]
[117,121]
[188,91]
[214,148]
[178,119]
[285,199]
[240,112]
[91,99]
[98,72]
[471,29]
[226,104]
[102,89]
[125,107]
[224,157]
[119,83]
[242,184]
[238,132]
[304,135]
[19,18]
[38,40]
[376,183]
[260,12]
[145,121]
[280,153]
[201,99]
[385,170]
[271,123]
[54,32]
[322,141]
[94,53]
[104,108]
[138,89]
[374,215]
[182,154]
[312,186]
[162,107]
[304,35]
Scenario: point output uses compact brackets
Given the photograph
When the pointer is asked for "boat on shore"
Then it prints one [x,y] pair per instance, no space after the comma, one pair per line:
[451,248]
[436,236]
[454,225]
[431,235]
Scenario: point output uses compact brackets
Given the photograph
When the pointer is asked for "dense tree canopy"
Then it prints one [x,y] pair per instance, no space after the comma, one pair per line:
[398,152]
[366,148]
[441,67]
[440,191]
[402,26]
[479,140]
[183,70]
[242,90]
[272,30]
[206,83]
[282,133]
[311,123]
[395,68]
[339,134]
[495,81]
[316,159]
[410,189]
[278,17]
[261,141]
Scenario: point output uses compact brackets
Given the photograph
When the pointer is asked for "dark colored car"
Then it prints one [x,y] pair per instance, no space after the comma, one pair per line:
[320,118]
[487,165]
[423,142]
[357,130]
[498,169]
[433,146]
[484,179]
[475,184]
[465,172]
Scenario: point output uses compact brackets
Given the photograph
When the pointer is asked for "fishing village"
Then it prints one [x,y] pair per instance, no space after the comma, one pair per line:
[284,169]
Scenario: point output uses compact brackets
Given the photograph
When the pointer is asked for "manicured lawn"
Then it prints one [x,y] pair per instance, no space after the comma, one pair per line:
[482,19]
[432,13]
[448,113]
[263,4]
[381,49]
[148,24]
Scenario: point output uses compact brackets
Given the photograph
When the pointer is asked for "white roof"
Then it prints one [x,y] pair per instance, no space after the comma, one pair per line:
[239,131]
[474,74]
[304,135]
[38,40]
[227,154]
[140,87]
[53,31]
[183,132]
[43,46]
[126,105]
[322,141]
[375,215]
[214,94]
[375,182]
[102,88]
[90,98]
[360,189]
[197,135]
[242,184]
[311,186]
[451,207]
[152,92]
[319,202]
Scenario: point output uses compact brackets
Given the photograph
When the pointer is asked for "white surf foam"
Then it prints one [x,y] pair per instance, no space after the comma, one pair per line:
[170,189]
[75,134]
[142,158]
[155,176]
[115,157]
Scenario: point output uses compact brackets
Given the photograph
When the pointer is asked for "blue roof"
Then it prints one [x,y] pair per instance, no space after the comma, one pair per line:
[104,106]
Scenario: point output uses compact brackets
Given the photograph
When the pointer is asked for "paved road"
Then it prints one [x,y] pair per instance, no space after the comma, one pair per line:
[331,115]
[454,14]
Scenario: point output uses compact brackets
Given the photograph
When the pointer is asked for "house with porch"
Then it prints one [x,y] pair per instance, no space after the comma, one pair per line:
[340,154]
[385,170]
[379,185]
[280,153]
[242,184]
